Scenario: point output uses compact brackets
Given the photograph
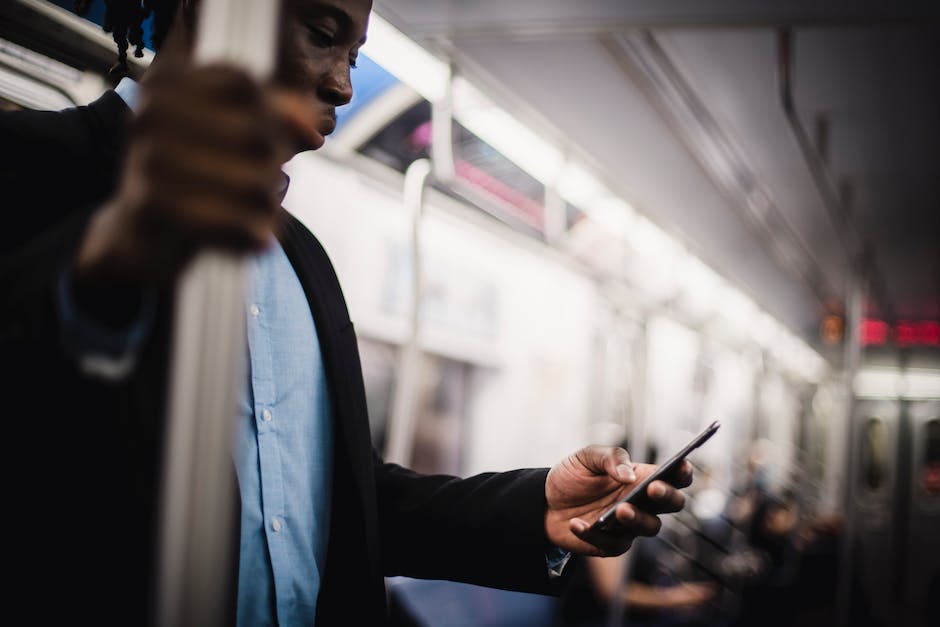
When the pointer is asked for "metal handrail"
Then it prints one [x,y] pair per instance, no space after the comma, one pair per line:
[401,430]
[207,369]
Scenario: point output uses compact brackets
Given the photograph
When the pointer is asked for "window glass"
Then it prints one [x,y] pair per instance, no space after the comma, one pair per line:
[406,139]
[500,187]
[874,454]
[573,215]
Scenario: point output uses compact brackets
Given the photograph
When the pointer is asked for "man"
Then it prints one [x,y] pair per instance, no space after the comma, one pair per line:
[87,293]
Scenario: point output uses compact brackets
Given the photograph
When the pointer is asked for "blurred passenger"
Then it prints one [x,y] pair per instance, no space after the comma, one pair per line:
[106,204]
[819,544]
[652,593]
[795,579]
[768,598]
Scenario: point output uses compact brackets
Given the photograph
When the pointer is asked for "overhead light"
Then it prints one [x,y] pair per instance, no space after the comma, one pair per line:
[406,60]
[657,260]
[612,213]
[921,384]
[739,310]
[766,331]
[701,286]
[892,383]
[491,123]
[579,187]
[649,240]
[805,362]
[877,383]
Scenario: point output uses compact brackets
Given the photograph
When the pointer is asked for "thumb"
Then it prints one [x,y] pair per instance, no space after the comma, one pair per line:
[608,460]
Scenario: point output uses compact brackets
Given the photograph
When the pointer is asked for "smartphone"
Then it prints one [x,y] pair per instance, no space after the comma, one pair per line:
[638,496]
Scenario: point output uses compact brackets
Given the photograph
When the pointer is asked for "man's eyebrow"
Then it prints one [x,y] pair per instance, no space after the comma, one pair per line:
[337,13]
[345,21]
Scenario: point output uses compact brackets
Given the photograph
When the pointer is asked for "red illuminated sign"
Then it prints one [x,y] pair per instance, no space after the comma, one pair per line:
[873,332]
[931,479]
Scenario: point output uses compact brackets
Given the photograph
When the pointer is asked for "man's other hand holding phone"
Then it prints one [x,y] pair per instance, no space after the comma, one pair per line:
[586,484]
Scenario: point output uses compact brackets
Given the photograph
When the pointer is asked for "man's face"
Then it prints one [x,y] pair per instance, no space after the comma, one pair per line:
[320,43]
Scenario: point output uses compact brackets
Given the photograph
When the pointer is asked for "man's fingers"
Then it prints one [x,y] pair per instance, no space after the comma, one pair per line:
[589,541]
[683,478]
[608,460]
[666,497]
[636,522]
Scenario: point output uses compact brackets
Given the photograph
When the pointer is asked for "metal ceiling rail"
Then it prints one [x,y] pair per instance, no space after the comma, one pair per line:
[858,249]
[642,57]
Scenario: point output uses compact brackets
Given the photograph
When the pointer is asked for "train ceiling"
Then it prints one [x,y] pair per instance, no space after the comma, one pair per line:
[680,105]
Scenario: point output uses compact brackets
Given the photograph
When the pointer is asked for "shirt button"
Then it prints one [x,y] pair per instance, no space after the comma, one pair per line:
[266,414]
[276,524]
[254,310]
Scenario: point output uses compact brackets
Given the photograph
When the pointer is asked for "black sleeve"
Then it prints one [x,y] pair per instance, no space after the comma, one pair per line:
[488,529]
[53,163]
[56,168]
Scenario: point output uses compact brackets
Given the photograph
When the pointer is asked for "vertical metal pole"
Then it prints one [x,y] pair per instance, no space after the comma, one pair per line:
[401,430]
[441,167]
[207,368]
[849,436]
[902,503]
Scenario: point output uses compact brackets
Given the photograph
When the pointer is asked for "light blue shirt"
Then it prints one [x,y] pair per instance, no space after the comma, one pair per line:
[284,452]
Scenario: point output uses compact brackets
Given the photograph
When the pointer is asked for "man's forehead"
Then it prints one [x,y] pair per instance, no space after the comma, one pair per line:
[356,10]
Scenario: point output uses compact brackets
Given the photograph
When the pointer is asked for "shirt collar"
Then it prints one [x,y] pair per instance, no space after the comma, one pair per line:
[128,90]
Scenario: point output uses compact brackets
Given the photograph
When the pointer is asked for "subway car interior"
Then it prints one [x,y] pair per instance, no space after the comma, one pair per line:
[613,222]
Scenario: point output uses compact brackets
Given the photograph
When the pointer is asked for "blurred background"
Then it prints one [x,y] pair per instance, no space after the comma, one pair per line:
[560,223]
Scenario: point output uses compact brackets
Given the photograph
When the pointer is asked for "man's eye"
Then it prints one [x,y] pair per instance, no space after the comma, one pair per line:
[321,38]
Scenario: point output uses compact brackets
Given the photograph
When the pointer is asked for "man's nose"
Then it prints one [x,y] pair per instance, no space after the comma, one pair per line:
[336,88]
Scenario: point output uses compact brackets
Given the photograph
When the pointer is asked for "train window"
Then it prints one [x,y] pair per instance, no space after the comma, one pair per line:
[406,139]
[496,184]
[874,454]
[931,473]
[573,215]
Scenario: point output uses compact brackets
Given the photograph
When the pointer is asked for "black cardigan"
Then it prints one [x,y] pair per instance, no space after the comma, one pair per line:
[83,454]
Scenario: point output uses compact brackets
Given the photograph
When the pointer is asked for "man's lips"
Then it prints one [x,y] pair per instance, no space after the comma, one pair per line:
[315,141]
[318,137]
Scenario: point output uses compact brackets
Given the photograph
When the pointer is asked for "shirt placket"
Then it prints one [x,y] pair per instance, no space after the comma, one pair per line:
[269,450]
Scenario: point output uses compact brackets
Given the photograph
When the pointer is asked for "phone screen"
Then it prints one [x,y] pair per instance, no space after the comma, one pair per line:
[638,496]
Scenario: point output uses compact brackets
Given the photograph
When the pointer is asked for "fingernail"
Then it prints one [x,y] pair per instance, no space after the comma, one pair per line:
[626,473]
[581,526]
[657,491]
[630,514]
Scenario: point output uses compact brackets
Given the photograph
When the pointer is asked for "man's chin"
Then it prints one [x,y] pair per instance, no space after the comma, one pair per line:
[314,142]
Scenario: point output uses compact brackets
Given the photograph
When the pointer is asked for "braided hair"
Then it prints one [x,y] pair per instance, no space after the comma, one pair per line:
[124,19]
